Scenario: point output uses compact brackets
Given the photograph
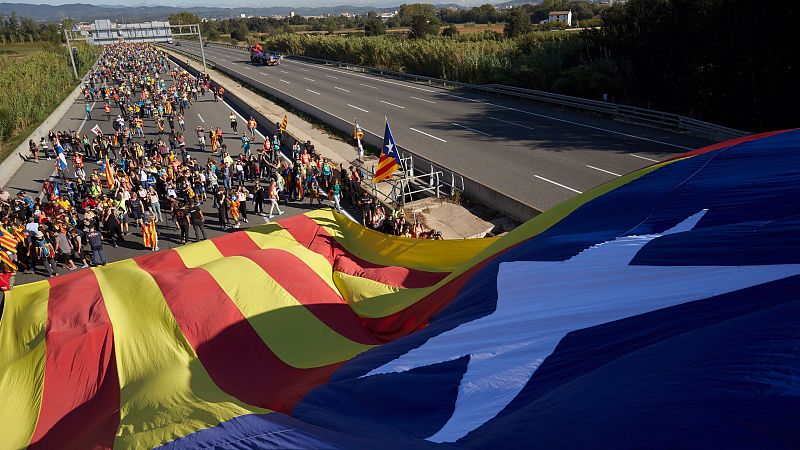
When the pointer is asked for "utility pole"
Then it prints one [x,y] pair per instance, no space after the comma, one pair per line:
[71,56]
[202,51]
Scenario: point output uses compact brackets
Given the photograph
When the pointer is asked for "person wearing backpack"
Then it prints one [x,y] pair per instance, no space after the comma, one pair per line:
[46,254]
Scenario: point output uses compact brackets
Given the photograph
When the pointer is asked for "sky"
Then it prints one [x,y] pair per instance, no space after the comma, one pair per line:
[247,3]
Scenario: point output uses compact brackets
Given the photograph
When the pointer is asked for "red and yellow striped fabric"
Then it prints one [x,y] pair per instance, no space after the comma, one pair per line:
[8,240]
[149,234]
[140,352]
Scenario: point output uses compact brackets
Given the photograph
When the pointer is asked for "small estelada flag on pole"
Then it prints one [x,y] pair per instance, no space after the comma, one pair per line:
[96,130]
[390,159]
[284,123]
[358,135]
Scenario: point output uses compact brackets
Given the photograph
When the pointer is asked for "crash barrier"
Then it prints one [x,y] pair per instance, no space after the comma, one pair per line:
[15,159]
[614,111]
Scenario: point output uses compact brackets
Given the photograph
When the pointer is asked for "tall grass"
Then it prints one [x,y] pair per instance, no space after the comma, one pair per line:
[527,61]
[32,86]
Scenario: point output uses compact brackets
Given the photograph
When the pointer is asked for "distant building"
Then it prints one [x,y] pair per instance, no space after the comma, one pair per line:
[387,15]
[564,17]
[291,13]
[242,16]
[108,32]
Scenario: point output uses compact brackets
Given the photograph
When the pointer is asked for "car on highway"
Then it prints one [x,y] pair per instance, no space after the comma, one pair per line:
[177,43]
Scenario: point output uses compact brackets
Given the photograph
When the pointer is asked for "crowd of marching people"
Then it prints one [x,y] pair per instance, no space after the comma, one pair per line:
[142,182]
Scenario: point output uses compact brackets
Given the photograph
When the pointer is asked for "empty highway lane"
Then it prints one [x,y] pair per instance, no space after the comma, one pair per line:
[536,154]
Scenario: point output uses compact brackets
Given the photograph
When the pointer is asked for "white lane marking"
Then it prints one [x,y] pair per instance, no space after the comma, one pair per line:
[426,134]
[645,157]
[283,71]
[313,92]
[341,89]
[373,78]
[603,170]
[356,107]
[421,99]
[304,70]
[567,121]
[248,67]
[331,76]
[309,79]
[392,104]
[284,81]
[512,123]
[201,118]
[471,129]
[366,85]
[558,184]
[263,73]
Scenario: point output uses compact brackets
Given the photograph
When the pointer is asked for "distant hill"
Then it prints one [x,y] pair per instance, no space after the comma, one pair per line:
[85,12]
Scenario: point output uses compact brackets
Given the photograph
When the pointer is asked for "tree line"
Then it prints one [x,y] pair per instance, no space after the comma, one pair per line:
[25,29]
[724,61]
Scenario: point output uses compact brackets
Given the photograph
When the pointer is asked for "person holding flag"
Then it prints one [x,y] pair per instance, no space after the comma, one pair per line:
[389,161]
[149,234]
[61,160]
[358,135]
[108,170]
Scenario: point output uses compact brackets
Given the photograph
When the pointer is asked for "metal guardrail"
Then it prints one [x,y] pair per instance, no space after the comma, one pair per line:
[625,113]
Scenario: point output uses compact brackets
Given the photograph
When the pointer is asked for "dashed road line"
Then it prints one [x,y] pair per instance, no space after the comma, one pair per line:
[421,99]
[331,76]
[356,107]
[558,184]
[284,81]
[426,134]
[392,104]
[309,79]
[201,118]
[366,85]
[471,129]
[341,89]
[603,170]
[313,92]
[645,157]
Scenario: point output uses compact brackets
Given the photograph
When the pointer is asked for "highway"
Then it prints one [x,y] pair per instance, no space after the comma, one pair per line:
[206,113]
[536,154]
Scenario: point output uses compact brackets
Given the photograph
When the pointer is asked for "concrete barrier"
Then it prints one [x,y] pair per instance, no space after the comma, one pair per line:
[15,160]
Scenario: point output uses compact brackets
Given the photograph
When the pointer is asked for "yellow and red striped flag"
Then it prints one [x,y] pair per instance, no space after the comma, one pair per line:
[149,234]
[109,174]
[7,240]
[284,123]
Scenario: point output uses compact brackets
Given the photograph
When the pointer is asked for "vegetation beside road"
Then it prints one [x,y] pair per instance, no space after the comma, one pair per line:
[711,60]
[36,79]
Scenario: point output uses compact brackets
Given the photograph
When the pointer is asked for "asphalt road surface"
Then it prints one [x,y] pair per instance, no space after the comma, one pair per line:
[539,155]
[205,112]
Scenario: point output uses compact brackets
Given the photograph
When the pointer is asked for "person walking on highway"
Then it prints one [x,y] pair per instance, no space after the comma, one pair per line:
[197,220]
[234,122]
[273,199]
[95,239]
[34,150]
[88,108]
[251,127]
[337,194]
[107,109]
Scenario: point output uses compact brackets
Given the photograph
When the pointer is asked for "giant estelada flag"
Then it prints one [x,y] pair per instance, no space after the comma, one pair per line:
[660,310]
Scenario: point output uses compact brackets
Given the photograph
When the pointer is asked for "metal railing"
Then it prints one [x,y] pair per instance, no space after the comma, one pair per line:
[615,111]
